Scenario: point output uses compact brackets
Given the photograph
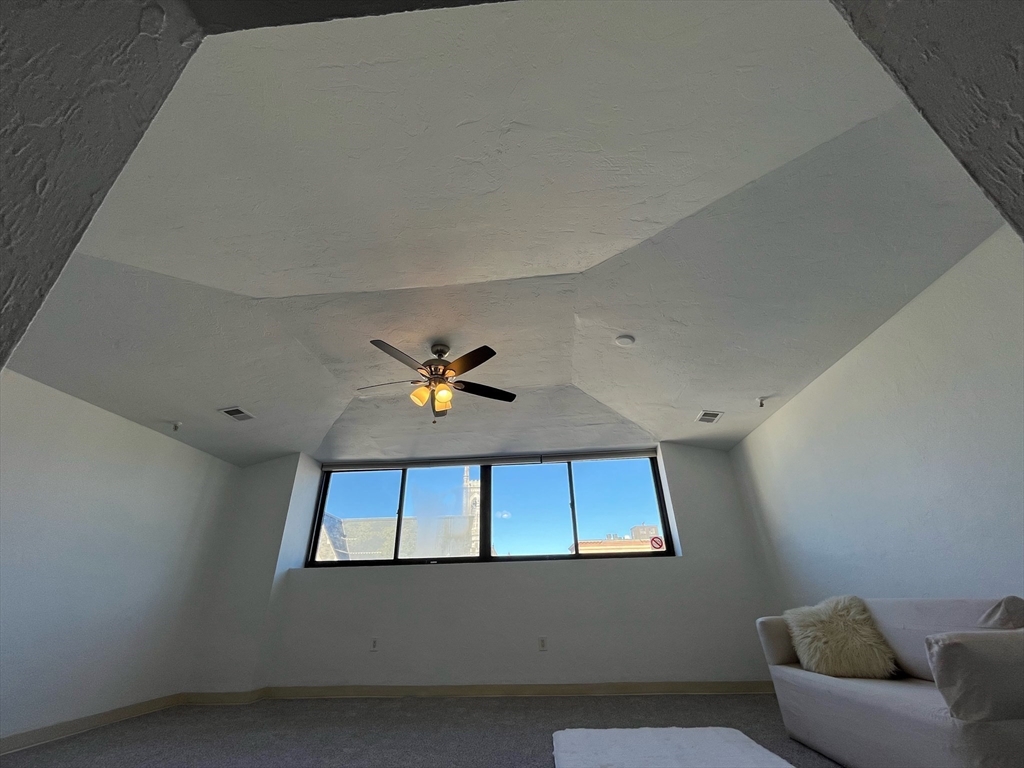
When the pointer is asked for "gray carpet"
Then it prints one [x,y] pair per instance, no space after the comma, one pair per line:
[512,732]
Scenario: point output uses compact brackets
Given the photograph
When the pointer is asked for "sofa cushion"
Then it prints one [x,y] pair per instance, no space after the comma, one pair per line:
[1008,613]
[889,723]
[980,674]
[838,637]
[915,699]
[906,622]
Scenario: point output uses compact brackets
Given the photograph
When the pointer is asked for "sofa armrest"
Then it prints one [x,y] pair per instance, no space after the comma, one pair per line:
[775,640]
[979,674]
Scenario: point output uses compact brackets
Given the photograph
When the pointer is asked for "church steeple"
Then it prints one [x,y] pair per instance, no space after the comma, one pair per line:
[471,508]
[470,494]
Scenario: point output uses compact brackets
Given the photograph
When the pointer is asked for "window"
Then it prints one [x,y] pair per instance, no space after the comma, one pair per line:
[617,507]
[441,513]
[531,510]
[566,508]
[359,519]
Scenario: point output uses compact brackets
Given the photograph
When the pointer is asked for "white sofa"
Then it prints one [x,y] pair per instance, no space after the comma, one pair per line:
[864,723]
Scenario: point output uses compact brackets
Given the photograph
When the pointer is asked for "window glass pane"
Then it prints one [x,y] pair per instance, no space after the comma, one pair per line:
[530,510]
[441,517]
[616,506]
[360,516]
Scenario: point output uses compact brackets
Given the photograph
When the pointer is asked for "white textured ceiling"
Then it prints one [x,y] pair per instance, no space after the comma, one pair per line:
[763,290]
[158,350]
[549,419]
[473,144]
[738,185]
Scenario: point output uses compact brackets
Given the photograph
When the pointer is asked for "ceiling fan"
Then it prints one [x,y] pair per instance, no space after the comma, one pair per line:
[437,382]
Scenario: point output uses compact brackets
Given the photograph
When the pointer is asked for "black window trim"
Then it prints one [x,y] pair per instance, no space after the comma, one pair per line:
[485,464]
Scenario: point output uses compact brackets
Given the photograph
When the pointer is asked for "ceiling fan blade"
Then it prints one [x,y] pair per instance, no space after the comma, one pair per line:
[434,404]
[386,384]
[484,391]
[398,354]
[470,360]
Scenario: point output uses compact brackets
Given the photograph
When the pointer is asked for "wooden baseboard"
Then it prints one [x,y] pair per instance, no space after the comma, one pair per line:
[517,689]
[56,731]
[33,738]
[226,697]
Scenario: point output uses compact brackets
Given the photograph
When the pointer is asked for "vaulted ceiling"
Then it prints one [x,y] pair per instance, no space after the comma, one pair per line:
[739,186]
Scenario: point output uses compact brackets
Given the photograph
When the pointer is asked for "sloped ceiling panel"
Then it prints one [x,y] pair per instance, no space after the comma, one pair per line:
[158,350]
[783,276]
[541,420]
[528,321]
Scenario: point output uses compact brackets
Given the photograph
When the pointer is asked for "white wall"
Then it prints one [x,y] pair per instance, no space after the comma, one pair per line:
[134,567]
[263,532]
[686,618]
[131,565]
[104,526]
[239,576]
[900,470]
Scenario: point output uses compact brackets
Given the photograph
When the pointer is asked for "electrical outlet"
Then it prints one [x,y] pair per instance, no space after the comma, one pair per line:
[542,643]
[374,645]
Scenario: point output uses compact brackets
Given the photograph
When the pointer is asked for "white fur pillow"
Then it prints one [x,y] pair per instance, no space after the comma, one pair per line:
[838,637]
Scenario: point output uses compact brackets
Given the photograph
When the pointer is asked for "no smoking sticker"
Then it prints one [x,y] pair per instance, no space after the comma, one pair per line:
[657,542]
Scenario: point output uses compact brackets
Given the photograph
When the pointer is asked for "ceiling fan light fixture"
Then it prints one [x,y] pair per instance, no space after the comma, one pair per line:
[438,383]
[443,393]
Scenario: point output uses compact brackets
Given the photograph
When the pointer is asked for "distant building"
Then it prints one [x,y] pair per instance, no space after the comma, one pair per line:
[643,532]
[362,538]
[639,540]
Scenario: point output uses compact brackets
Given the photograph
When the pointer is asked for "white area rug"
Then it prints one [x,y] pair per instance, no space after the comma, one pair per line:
[661,748]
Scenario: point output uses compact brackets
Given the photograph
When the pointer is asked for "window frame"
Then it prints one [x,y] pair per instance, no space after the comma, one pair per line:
[485,464]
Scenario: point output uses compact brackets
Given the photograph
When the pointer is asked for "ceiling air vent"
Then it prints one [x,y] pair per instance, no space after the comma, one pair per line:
[236,413]
[709,417]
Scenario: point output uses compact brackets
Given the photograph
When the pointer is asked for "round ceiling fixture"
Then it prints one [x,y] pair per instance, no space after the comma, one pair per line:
[625,340]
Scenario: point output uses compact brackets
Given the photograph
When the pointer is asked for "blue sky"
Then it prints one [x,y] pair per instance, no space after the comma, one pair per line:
[530,502]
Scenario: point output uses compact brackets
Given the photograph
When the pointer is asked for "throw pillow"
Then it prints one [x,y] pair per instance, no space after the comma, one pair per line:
[839,638]
[1008,613]
[979,673]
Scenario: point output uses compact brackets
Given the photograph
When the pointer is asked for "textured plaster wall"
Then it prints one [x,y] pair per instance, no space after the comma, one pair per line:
[962,64]
[898,472]
[80,81]
[105,527]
